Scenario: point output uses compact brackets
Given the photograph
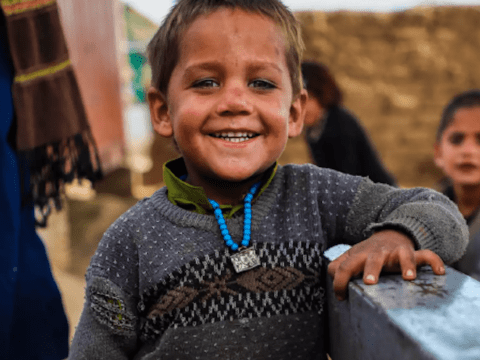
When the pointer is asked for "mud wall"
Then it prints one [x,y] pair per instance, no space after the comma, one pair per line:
[397,71]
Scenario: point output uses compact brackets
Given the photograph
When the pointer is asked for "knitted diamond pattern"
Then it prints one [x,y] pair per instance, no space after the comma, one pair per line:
[208,290]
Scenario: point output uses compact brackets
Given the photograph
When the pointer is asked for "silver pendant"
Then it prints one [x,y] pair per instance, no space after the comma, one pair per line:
[245,260]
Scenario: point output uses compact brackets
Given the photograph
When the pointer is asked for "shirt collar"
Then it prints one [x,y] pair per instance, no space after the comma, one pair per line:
[194,198]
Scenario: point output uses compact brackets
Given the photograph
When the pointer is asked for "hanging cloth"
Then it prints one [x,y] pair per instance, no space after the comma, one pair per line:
[33,322]
[51,131]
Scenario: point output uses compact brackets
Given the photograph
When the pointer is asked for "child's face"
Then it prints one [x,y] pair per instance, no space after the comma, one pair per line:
[229,103]
[313,111]
[458,151]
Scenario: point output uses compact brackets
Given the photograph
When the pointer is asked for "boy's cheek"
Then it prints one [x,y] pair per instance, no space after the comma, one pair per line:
[438,155]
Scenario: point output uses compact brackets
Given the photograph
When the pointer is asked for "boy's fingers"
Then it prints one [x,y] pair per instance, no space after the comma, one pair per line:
[347,266]
[333,266]
[343,272]
[407,260]
[373,267]
[346,256]
[427,257]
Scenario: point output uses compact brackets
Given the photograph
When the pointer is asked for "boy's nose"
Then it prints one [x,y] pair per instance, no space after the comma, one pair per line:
[470,147]
[234,100]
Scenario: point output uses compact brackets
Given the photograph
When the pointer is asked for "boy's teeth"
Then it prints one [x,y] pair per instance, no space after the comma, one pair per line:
[235,137]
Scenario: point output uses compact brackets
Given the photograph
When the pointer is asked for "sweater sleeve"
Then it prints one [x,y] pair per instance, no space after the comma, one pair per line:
[109,322]
[430,218]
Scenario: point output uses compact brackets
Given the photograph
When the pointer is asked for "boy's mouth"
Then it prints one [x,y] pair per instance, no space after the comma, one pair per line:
[234,136]
[466,166]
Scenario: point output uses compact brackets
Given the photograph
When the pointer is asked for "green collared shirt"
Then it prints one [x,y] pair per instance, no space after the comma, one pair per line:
[194,198]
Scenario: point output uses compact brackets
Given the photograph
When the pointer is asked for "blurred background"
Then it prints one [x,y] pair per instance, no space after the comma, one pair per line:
[397,62]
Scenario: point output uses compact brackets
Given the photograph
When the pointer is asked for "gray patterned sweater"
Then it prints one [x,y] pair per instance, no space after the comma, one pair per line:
[161,284]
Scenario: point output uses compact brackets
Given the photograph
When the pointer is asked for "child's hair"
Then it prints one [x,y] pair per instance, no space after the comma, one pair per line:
[320,84]
[164,48]
[465,99]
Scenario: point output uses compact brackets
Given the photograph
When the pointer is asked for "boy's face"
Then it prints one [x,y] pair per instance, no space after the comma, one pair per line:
[313,111]
[229,104]
[458,151]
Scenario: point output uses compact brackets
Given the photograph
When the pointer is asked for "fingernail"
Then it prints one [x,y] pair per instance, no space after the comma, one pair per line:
[441,270]
[370,277]
[409,273]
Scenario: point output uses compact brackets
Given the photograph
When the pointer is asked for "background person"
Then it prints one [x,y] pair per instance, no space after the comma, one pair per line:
[457,153]
[335,137]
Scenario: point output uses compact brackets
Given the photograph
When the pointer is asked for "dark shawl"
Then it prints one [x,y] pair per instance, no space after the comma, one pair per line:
[341,144]
[470,262]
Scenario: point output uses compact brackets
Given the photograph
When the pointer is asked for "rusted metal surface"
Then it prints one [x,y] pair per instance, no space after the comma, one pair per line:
[432,317]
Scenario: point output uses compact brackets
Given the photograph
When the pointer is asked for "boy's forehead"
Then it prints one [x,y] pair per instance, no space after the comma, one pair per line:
[223,26]
[224,16]
[464,119]
[467,115]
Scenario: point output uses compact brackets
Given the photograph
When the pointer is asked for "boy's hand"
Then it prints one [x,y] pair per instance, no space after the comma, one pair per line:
[387,250]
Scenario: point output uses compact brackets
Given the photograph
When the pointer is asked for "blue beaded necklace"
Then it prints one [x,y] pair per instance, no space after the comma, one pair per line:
[246,258]
[247,222]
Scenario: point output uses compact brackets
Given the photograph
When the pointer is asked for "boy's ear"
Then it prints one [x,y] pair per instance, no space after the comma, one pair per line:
[437,155]
[159,113]
[297,114]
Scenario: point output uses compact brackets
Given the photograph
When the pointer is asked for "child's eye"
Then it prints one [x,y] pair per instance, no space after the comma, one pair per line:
[205,83]
[456,138]
[262,84]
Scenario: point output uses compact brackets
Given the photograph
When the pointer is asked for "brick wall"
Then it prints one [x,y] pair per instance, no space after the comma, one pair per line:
[397,71]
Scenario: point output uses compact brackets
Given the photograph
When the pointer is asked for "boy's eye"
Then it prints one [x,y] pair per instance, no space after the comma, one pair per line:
[456,138]
[205,83]
[262,84]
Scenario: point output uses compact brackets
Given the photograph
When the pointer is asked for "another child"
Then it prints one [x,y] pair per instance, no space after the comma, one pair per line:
[225,261]
[334,135]
[457,153]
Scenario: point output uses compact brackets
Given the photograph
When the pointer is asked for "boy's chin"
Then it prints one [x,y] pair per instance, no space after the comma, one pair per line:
[467,184]
[466,181]
[240,177]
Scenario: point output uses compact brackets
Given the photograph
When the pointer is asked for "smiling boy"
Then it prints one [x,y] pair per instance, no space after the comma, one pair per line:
[225,261]
[229,102]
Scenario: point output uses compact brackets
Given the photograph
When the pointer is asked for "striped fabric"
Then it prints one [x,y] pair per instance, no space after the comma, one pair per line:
[52,127]
[17,6]
[42,67]
[43,72]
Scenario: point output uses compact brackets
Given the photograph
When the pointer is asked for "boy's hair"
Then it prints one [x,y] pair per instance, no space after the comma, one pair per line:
[470,98]
[320,84]
[164,48]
